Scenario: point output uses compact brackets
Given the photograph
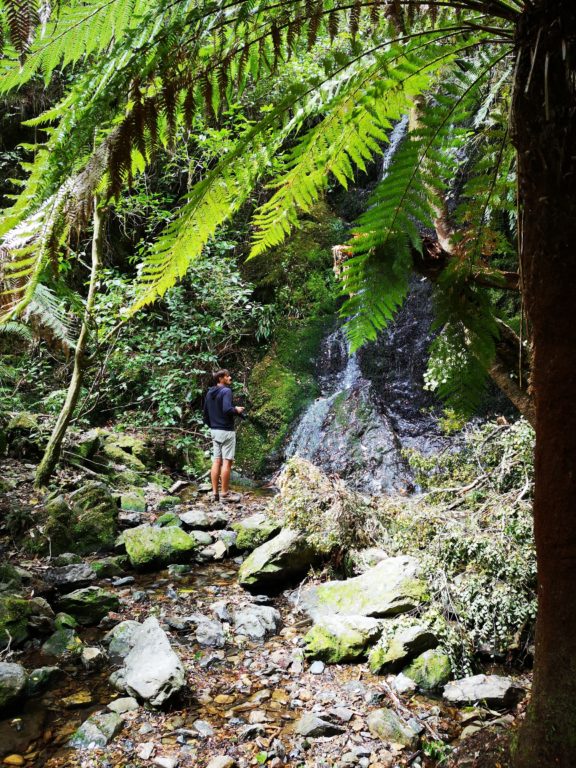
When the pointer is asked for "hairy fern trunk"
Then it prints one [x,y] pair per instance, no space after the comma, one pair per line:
[544,126]
[52,452]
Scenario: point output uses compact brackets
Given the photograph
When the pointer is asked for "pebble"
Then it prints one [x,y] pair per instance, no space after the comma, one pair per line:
[317,668]
[145,750]
[221,761]
[14,760]
[166,762]
[204,729]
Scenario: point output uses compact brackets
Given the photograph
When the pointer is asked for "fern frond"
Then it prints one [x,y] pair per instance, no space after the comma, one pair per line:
[46,309]
[17,330]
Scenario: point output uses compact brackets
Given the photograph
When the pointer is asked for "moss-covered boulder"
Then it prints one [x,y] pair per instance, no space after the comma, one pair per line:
[10,577]
[24,436]
[167,502]
[89,605]
[20,618]
[329,514]
[169,518]
[108,567]
[13,679]
[430,670]
[392,587]
[133,501]
[128,451]
[395,650]
[279,561]
[64,643]
[254,530]
[149,546]
[94,518]
[337,639]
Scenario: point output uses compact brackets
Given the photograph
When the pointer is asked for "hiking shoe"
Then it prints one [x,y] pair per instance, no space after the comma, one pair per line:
[231,498]
[215,497]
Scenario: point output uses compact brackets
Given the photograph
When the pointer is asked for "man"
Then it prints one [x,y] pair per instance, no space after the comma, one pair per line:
[219,414]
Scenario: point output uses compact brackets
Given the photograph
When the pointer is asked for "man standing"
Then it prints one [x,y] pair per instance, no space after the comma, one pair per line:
[219,413]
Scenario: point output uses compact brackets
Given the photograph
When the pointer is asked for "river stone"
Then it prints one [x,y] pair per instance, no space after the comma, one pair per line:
[13,680]
[70,577]
[210,634]
[430,670]
[108,567]
[312,726]
[133,501]
[126,704]
[254,530]
[148,546]
[120,640]
[391,587]
[257,621]
[281,559]
[385,724]
[89,605]
[62,644]
[20,618]
[41,679]
[168,518]
[200,520]
[97,731]
[221,761]
[395,651]
[92,657]
[152,671]
[495,690]
[335,639]
[203,538]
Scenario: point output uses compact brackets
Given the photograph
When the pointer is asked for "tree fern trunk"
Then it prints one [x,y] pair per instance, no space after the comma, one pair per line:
[544,125]
[52,452]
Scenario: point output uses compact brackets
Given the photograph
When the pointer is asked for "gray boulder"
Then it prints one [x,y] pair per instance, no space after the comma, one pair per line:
[391,587]
[120,640]
[70,577]
[494,690]
[200,520]
[13,679]
[152,671]
[257,621]
[279,560]
[210,634]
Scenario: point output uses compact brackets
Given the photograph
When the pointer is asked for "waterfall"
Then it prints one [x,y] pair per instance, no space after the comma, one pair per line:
[372,403]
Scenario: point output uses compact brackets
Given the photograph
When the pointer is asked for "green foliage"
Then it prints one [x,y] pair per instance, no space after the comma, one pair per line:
[472,528]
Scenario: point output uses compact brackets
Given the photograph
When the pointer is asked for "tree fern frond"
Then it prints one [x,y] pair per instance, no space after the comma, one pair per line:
[46,309]
[18,330]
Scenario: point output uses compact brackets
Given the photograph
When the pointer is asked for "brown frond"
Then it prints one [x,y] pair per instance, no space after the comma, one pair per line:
[333,24]
[207,95]
[277,43]
[396,16]
[223,78]
[314,24]
[354,21]
[22,17]
[169,92]
[189,107]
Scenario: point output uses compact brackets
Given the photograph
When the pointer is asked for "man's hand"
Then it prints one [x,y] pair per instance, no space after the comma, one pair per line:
[240,409]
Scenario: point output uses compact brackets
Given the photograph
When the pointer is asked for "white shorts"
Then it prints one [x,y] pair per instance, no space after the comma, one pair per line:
[223,444]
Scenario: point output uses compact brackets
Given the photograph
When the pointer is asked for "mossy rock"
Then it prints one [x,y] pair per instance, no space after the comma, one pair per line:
[169,518]
[117,455]
[108,567]
[254,530]
[430,670]
[149,546]
[395,650]
[62,644]
[89,605]
[13,680]
[277,562]
[94,518]
[23,422]
[169,501]
[337,639]
[133,502]
[14,615]
[10,578]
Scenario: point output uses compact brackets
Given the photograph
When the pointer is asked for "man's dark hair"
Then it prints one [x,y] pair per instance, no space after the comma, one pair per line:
[220,375]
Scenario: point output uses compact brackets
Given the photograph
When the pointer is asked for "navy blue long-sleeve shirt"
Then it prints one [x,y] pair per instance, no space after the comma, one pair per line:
[219,410]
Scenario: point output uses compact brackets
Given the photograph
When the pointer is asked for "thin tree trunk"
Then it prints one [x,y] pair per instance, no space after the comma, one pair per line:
[544,131]
[52,452]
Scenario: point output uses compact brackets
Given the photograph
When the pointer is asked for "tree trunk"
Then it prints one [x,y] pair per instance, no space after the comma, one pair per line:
[544,132]
[52,452]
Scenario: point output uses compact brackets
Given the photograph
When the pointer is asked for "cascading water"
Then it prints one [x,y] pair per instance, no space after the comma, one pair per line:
[372,404]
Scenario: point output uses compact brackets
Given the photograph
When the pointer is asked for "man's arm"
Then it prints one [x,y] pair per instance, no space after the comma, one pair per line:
[228,407]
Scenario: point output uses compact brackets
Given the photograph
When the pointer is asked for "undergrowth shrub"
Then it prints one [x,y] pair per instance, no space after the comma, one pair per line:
[472,530]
